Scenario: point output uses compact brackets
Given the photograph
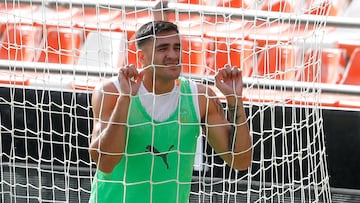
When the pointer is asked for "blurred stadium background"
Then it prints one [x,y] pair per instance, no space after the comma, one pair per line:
[53,53]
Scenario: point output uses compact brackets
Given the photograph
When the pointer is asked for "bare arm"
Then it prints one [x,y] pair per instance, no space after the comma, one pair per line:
[108,135]
[110,112]
[230,139]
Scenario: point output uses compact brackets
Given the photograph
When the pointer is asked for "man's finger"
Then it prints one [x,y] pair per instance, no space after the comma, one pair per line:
[234,72]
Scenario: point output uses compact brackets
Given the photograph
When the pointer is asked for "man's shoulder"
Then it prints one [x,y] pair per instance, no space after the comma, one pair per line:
[104,96]
[192,82]
[202,89]
[107,86]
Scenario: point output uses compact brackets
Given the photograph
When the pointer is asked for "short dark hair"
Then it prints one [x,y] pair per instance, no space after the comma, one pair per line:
[151,29]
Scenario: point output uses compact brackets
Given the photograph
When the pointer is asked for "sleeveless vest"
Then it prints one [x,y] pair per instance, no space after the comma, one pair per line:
[159,156]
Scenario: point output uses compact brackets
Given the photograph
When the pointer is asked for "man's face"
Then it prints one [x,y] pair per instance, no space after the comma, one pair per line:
[164,53]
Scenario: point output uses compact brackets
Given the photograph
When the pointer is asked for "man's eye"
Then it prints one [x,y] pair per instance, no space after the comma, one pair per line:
[162,49]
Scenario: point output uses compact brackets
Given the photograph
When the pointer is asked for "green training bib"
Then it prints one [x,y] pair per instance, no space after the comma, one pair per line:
[159,157]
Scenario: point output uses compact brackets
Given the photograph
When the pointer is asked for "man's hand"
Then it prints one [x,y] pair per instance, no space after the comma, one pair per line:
[130,79]
[229,81]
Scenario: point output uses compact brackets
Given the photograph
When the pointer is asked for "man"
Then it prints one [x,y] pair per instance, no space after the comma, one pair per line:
[146,124]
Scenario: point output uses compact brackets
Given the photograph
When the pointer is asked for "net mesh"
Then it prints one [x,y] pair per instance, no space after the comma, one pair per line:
[53,54]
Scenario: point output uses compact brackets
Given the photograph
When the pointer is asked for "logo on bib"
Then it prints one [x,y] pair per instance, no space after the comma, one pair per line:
[162,155]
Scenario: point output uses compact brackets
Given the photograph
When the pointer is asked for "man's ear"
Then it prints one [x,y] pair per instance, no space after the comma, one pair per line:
[141,56]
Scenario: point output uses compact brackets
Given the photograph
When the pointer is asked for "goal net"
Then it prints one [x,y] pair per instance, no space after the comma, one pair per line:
[53,53]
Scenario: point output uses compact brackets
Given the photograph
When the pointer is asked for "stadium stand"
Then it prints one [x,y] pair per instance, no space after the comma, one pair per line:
[232,3]
[55,16]
[349,44]
[352,72]
[103,19]
[193,56]
[19,42]
[278,6]
[89,19]
[229,50]
[330,61]
[277,62]
[61,45]
[105,33]
[103,49]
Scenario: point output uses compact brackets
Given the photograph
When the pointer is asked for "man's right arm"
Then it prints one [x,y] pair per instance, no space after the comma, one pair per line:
[110,113]
[108,137]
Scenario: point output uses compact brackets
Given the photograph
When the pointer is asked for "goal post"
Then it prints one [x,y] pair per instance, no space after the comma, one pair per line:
[54,53]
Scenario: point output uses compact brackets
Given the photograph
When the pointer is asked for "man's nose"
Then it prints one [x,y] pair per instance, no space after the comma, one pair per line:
[173,53]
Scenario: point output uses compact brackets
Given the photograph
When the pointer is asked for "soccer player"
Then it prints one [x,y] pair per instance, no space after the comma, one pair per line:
[147,121]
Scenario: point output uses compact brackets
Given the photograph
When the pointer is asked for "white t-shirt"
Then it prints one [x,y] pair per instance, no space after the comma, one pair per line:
[161,106]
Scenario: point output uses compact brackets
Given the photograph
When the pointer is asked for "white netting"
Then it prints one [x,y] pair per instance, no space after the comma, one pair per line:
[54,53]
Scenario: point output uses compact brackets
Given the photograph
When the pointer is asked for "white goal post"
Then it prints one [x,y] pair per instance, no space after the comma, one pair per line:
[53,53]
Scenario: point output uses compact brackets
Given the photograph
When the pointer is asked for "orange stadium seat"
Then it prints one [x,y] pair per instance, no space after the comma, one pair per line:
[264,32]
[19,42]
[57,16]
[270,34]
[193,54]
[61,45]
[235,52]
[277,62]
[103,19]
[352,71]
[326,7]
[318,7]
[348,44]
[331,63]
[132,52]
[232,3]
[278,6]
[15,12]
[185,19]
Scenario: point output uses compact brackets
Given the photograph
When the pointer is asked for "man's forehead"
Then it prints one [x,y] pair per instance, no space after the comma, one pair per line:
[167,39]
[166,35]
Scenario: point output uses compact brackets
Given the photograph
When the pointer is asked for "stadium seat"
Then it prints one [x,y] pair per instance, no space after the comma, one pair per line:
[326,7]
[131,46]
[331,63]
[193,54]
[348,44]
[352,71]
[56,16]
[277,62]
[132,52]
[318,7]
[232,3]
[104,19]
[19,42]
[235,52]
[270,34]
[309,71]
[61,45]
[15,12]
[278,6]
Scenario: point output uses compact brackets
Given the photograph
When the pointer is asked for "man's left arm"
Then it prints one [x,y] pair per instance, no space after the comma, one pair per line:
[240,139]
[230,139]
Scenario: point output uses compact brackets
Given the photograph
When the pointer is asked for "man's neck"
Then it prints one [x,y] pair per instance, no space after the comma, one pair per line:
[160,87]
